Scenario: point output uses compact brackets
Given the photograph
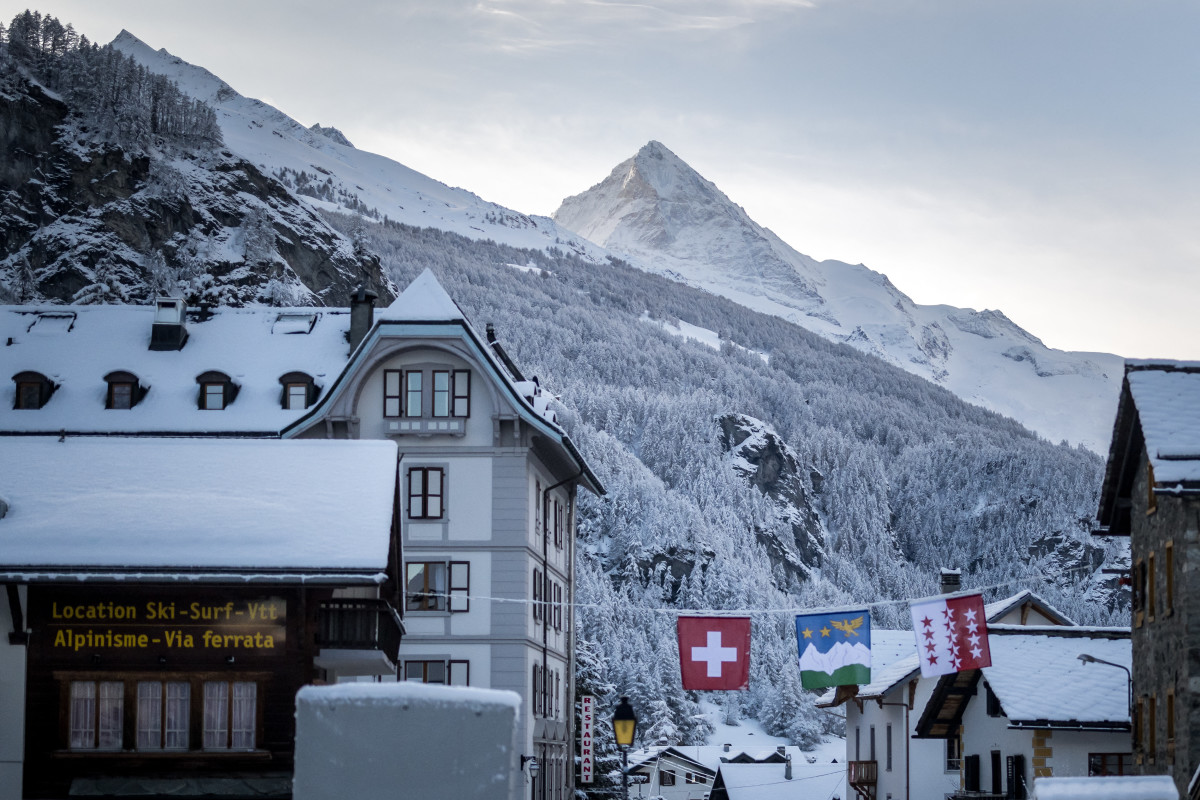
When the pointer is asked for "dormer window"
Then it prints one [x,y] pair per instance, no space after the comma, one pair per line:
[124,390]
[299,391]
[427,401]
[452,393]
[217,390]
[33,390]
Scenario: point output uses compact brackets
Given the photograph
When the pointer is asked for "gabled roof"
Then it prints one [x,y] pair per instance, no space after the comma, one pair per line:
[647,758]
[1159,409]
[1040,682]
[768,782]
[424,300]
[196,509]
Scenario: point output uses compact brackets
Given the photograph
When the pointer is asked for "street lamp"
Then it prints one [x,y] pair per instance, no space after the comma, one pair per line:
[1085,658]
[624,726]
[534,767]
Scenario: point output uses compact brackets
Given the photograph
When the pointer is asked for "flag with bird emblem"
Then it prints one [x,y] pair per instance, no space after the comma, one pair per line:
[951,634]
[835,648]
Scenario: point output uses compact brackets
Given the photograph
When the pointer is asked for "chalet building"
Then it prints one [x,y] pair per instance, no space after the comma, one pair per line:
[166,598]
[671,774]
[484,479]
[885,756]
[1151,494]
[1037,711]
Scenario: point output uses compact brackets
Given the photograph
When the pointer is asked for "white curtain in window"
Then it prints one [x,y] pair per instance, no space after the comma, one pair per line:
[111,717]
[243,723]
[179,696]
[216,715]
[149,715]
[83,714]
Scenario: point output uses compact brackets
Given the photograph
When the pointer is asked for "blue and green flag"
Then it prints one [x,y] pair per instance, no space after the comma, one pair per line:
[835,648]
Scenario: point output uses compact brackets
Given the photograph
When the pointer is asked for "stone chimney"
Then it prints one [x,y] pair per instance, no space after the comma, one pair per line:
[726,747]
[362,314]
[951,580]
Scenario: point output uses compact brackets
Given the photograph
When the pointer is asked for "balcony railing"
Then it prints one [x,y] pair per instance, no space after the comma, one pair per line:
[864,773]
[360,624]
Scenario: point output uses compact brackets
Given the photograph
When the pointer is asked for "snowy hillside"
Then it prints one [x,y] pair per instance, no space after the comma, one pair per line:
[320,163]
[657,212]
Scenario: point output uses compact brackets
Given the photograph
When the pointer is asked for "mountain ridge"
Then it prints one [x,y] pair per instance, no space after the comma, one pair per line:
[656,211]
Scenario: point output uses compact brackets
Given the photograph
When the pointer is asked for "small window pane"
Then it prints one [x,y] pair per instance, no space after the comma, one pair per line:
[244,706]
[297,396]
[214,396]
[216,715]
[111,716]
[179,695]
[412,396]
[149,715]
[83,715]
[435,672]
[29,395]
[122,395]
[441,394]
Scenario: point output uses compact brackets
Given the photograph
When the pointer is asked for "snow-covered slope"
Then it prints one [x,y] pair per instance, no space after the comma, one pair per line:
[657,212]
[321,163]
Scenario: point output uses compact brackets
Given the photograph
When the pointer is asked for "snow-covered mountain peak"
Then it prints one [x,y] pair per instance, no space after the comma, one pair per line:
[657,212]
[321,165]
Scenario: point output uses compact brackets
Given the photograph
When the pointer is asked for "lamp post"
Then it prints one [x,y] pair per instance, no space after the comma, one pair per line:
[624,726]
[1085,658]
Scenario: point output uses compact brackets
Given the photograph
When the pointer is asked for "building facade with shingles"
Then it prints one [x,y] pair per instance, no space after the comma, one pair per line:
[486,480]
[1151,494]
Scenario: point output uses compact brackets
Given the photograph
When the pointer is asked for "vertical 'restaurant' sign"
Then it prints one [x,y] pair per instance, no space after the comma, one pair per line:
[587,751]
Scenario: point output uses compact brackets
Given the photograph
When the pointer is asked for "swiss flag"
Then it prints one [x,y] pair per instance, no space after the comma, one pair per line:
[951,634]
[714,652]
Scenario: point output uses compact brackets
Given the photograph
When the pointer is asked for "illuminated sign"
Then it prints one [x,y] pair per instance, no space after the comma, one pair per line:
[246,625]
[587,749]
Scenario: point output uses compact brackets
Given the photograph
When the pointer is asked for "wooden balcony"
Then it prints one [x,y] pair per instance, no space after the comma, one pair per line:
[862,777]
[360,624]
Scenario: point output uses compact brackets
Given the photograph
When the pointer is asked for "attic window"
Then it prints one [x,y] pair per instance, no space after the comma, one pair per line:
[299,391]
[33,390]
[124,390]
[53,322]
[217,390]
[294,323]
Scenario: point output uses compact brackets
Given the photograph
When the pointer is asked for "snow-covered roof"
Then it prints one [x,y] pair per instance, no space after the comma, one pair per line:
[423,300]
[1038,677]
[767,781]
[647,756]
[1167,397]
[77,346]
[129,506]
[894,657]
[1123,787]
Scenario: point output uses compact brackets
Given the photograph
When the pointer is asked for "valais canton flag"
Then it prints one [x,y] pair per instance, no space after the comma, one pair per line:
[835,649]
[951,634]
[714,652]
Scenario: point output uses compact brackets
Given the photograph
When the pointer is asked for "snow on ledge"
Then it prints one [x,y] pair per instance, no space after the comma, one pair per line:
[1126,787]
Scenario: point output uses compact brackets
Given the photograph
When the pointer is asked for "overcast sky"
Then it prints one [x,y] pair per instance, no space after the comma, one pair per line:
[1041,157]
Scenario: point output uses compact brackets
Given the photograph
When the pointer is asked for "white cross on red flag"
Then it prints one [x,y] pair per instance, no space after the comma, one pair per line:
[714,652]
[951,634]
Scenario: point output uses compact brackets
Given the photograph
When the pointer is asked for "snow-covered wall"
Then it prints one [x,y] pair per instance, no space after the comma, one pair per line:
[371,741]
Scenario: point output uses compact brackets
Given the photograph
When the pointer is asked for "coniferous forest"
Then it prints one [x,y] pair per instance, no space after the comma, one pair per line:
[905,478]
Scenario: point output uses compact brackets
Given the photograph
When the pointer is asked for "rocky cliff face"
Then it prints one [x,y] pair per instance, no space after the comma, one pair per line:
[768,464]
[87,220]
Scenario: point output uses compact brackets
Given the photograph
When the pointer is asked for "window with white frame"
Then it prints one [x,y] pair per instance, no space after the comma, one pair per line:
[451,393]
[413,392]
[953,754]
[438,586]
[425,493]
[96,715]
